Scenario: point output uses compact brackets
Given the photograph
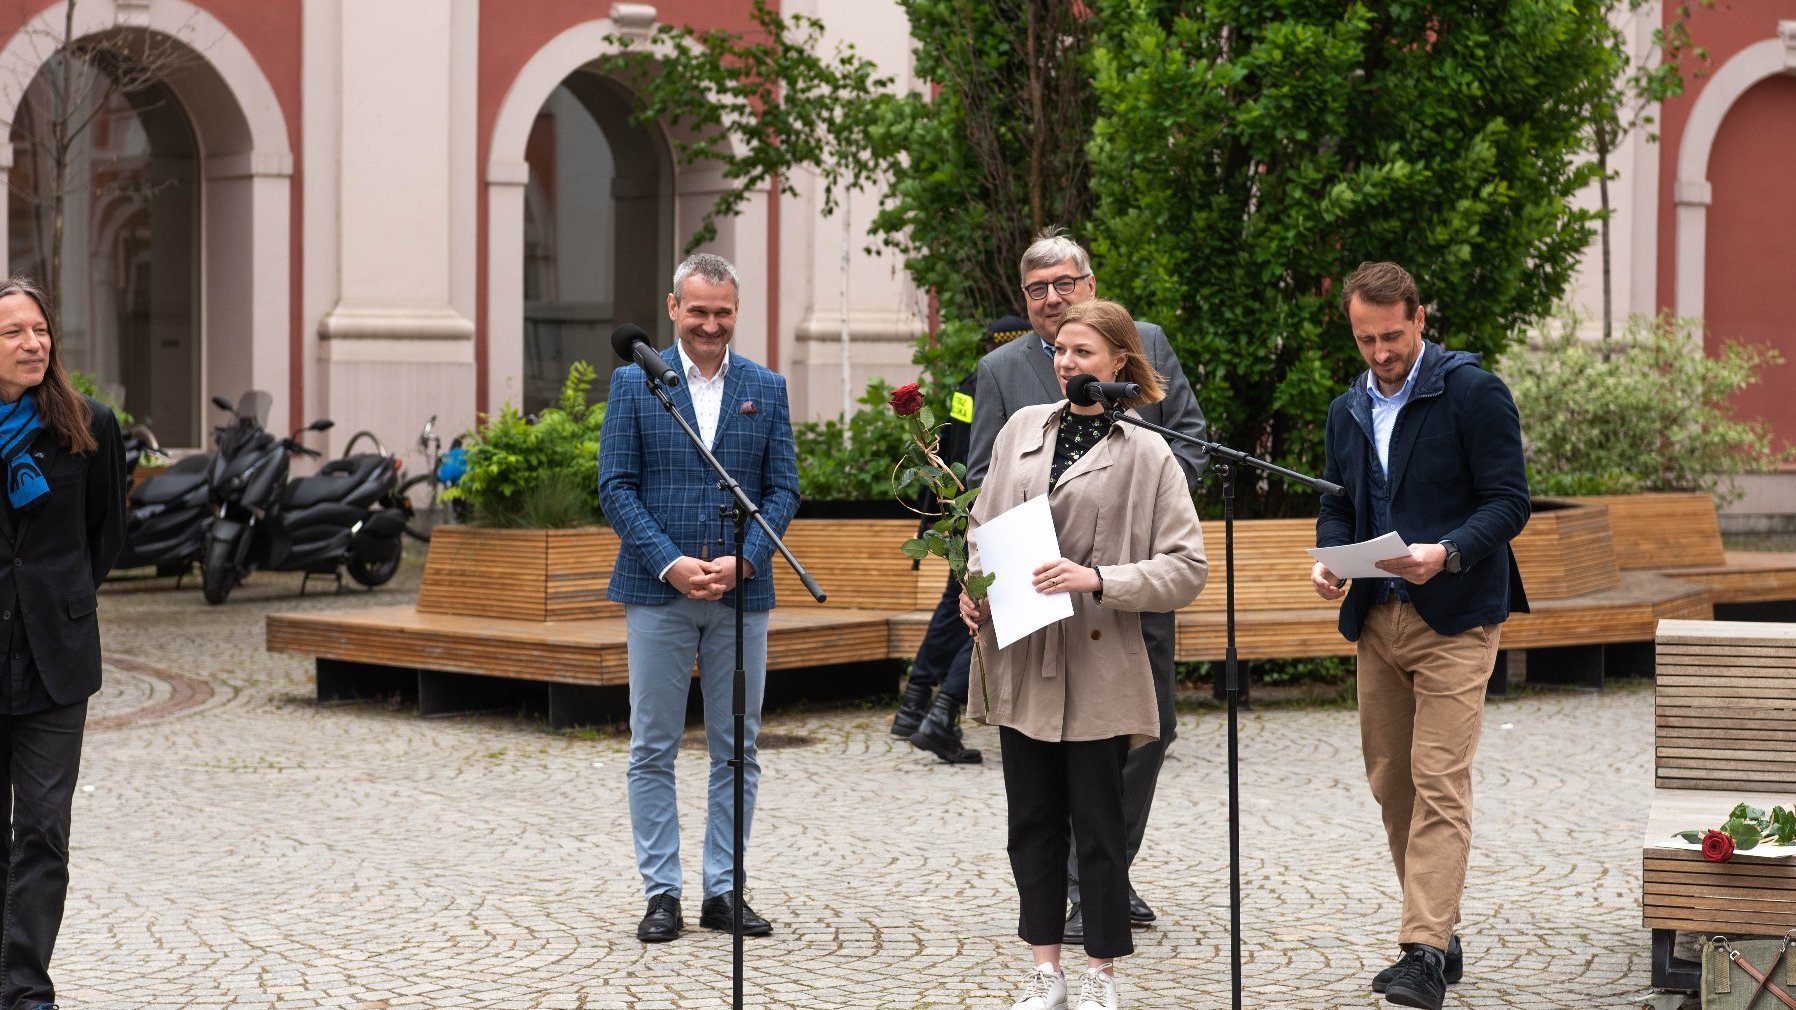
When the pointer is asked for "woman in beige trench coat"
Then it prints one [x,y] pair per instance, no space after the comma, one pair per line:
[1072,699]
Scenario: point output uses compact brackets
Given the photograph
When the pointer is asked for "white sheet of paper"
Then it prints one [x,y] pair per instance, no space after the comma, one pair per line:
[1358,561]
[1014,545]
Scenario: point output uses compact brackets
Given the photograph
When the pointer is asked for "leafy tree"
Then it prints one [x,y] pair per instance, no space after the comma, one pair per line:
[77,89]
[761,108]
[1249,153]
[993,151]
[1647,412]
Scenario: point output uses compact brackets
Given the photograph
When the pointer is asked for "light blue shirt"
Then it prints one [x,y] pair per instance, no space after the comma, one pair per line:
[1385,408]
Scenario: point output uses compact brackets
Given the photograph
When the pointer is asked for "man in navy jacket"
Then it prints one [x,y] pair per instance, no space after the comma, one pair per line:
[1428,445]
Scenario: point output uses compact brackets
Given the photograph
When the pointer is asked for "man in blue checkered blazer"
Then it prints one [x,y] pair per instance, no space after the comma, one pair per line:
[676,572]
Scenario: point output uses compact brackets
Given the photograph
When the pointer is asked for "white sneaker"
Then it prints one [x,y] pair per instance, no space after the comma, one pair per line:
[1045,990]
[1097,991]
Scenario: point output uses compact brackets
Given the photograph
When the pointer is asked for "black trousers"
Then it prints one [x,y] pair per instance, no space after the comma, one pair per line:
[1048,786]
[946,653]
[1141,772]
[40,755]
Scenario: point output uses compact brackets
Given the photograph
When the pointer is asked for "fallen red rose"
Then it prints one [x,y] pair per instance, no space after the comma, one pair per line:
[1717,847]
[907,400]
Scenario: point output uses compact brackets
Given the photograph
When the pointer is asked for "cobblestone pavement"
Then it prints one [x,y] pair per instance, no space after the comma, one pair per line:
[236,845]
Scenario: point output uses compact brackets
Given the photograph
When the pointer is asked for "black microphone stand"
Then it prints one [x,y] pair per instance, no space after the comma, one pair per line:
[739,512]
[1231,459]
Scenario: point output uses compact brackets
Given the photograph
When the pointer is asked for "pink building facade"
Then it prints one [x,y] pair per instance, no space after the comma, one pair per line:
[380,212]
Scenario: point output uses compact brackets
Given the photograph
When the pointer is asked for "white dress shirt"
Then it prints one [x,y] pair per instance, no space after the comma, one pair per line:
[707,405]
[707,394]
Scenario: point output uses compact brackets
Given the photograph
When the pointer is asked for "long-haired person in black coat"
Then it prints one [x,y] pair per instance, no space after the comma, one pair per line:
[62,522]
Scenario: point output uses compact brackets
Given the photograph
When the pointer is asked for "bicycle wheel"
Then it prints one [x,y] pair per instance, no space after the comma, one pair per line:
[419,522]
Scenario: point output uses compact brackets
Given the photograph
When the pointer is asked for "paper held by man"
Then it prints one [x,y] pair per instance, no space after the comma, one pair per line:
[1360,561]
[1013,546]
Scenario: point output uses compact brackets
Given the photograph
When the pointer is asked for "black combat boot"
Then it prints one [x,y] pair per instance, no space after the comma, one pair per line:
[940,733]
[911,708]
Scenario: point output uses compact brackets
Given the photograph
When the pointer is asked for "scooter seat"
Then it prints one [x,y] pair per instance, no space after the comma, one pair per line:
[174,483]
[335,480]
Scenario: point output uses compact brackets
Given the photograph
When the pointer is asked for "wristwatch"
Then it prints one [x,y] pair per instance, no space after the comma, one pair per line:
[1455,562]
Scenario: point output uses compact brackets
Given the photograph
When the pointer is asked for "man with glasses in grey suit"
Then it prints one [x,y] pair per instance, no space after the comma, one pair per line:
[1057,274]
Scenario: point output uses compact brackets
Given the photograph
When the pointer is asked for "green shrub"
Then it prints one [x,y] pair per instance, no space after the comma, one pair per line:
[1648,411]
[1332,670]
[87,385]
[541,473]
[860,467]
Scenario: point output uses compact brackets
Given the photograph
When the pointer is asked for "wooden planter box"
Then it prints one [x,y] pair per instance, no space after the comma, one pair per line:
[526,575]
[1566,550]
[859,565]
[1663,529]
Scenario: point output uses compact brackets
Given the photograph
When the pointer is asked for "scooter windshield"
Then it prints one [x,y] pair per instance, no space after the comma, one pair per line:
[255,403]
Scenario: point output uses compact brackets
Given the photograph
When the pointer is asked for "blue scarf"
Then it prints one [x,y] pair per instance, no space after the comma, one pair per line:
[19,425]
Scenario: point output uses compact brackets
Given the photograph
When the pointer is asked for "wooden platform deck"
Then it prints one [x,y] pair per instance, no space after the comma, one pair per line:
[589,653]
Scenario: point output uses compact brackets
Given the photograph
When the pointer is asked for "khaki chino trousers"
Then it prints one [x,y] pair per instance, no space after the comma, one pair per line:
[1421,707]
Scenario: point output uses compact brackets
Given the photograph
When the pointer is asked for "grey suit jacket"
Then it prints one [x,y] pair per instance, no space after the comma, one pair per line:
[1019,374]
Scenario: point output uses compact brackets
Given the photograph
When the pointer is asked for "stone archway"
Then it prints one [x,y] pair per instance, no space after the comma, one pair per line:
[1691,191]
[598,226]
[246,169]
[1732,184]
[694,189]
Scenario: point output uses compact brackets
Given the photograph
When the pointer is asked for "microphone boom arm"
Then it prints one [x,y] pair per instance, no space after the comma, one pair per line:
[1236,456]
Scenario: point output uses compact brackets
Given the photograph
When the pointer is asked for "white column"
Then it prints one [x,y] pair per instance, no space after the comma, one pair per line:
[398,346]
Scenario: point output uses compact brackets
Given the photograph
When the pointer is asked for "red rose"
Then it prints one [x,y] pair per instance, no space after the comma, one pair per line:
[1717,847]
[906,400]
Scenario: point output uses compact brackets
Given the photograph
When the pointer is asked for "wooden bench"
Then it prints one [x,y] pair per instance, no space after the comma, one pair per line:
[1586,619]
[559,650]
[1725,717]
[1679,534]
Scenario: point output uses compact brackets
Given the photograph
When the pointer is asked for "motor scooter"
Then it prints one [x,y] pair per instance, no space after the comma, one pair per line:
[343,518]
[166,514]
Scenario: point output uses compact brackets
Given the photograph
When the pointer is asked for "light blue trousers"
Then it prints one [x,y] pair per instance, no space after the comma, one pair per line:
[663,643]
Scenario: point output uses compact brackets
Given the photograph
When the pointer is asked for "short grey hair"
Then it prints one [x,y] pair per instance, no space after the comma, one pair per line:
[1051,248]
[711,267]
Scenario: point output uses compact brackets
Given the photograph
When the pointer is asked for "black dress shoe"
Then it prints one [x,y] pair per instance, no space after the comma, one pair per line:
[1139,912]
[715,914]
[1420,980]
[662,922]
[1074,931]
[1454,971]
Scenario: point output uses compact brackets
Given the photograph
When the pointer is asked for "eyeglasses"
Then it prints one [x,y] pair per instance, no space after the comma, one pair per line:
[1062,285]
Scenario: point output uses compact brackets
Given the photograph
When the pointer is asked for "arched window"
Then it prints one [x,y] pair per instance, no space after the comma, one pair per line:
[598,227]
[115,157]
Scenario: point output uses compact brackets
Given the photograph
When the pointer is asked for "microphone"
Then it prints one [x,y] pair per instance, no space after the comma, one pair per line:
[632,344]
[1085,390]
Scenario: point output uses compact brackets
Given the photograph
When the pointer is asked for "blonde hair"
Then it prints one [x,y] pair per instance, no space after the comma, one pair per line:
[1117,327]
